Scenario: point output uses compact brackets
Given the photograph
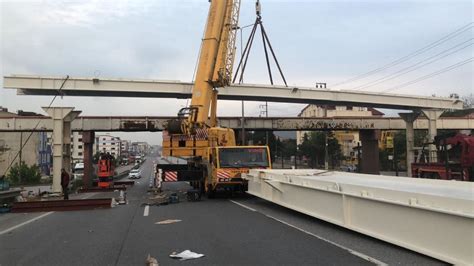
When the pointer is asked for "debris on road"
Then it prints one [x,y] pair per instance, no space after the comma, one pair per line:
[114,203]
[164,198]
[186,255]
[169,221]
[122,198]
[150,261]
[173,198]
[157,200]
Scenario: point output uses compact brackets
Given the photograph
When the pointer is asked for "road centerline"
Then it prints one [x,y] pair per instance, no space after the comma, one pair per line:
[146,211]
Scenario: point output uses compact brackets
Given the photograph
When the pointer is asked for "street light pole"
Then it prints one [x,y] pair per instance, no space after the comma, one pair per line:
[21,155]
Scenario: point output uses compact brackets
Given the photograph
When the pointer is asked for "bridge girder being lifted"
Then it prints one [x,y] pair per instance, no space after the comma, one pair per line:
[76,86]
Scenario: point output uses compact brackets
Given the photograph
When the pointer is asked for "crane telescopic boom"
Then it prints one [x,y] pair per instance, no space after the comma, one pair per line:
[214,67]
[214,160]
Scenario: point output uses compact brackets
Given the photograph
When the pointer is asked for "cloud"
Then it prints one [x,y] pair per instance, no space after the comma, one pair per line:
[315,41]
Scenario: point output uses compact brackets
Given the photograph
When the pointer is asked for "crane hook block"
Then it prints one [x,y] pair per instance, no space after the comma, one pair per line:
[258,8]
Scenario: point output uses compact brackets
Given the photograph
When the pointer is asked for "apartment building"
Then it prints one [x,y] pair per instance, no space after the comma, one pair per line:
[108,144]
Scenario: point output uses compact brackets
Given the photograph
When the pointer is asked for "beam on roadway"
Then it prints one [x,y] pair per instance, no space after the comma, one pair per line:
[143,123]
[42,85]
[433,217]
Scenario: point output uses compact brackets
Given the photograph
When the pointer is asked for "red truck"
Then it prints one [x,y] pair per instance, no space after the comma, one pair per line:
[455,153]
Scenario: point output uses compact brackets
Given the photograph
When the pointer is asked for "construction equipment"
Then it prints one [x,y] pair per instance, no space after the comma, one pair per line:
[213,159]
[105,171]
[455,153]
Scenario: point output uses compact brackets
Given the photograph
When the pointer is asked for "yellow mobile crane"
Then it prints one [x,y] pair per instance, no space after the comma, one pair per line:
[213,159]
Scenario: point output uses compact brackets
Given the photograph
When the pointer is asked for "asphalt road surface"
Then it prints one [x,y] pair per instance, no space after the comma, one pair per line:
[238,231]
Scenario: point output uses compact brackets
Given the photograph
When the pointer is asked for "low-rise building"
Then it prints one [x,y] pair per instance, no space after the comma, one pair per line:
[36,146]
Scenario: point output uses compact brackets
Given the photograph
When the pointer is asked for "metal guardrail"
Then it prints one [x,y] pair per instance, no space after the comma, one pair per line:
[433,217]
[61,205]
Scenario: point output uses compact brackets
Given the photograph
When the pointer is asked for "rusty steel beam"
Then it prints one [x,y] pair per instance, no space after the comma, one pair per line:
[124,182]
[158,123]
[62,205]
[100,189]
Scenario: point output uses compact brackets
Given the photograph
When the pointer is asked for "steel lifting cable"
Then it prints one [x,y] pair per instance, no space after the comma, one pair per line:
[245,55]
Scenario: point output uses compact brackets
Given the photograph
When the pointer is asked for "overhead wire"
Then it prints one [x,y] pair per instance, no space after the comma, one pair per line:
[35,127]
[409,56]
[439,72]
[414,67]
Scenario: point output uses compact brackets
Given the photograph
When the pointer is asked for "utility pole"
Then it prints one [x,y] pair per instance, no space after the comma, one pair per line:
[326,152]
[242,122]
[21,148]
[266,115]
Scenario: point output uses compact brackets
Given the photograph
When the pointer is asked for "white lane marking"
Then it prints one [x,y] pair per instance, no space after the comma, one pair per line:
[243,206]
[146,211]
[37,218]
[25,223]
[355,253]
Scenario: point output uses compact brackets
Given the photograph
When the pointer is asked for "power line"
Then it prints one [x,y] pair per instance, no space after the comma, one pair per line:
[444,70]
[409,56]
[413,67]
[36,126]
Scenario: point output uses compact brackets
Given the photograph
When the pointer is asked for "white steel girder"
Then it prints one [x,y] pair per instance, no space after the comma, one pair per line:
[433,217]
[74,86]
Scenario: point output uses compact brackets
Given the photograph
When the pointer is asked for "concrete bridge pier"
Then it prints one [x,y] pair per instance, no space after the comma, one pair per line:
[88,141]
[370,151]
[409,118]
[62,118]
[432,116]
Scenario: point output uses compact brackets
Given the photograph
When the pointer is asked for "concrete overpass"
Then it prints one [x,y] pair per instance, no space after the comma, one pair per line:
[157,123]
[76,86]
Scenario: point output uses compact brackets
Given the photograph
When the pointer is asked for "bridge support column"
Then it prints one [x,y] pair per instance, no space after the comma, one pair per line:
[409,118]
[62,118]
[88,141]
[432,116]
[370,151]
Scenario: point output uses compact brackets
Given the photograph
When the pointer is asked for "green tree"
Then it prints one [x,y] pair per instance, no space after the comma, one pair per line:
[313,148]
[259,138]
[29,174]
[400,150]
[287,147]
[95,158]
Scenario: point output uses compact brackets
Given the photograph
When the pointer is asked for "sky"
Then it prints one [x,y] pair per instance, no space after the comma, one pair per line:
[315,41]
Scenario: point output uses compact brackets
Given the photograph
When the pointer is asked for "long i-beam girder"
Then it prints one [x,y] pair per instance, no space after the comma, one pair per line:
[76,86]
[158,123]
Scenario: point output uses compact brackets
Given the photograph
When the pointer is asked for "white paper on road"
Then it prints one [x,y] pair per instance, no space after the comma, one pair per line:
[186,255]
